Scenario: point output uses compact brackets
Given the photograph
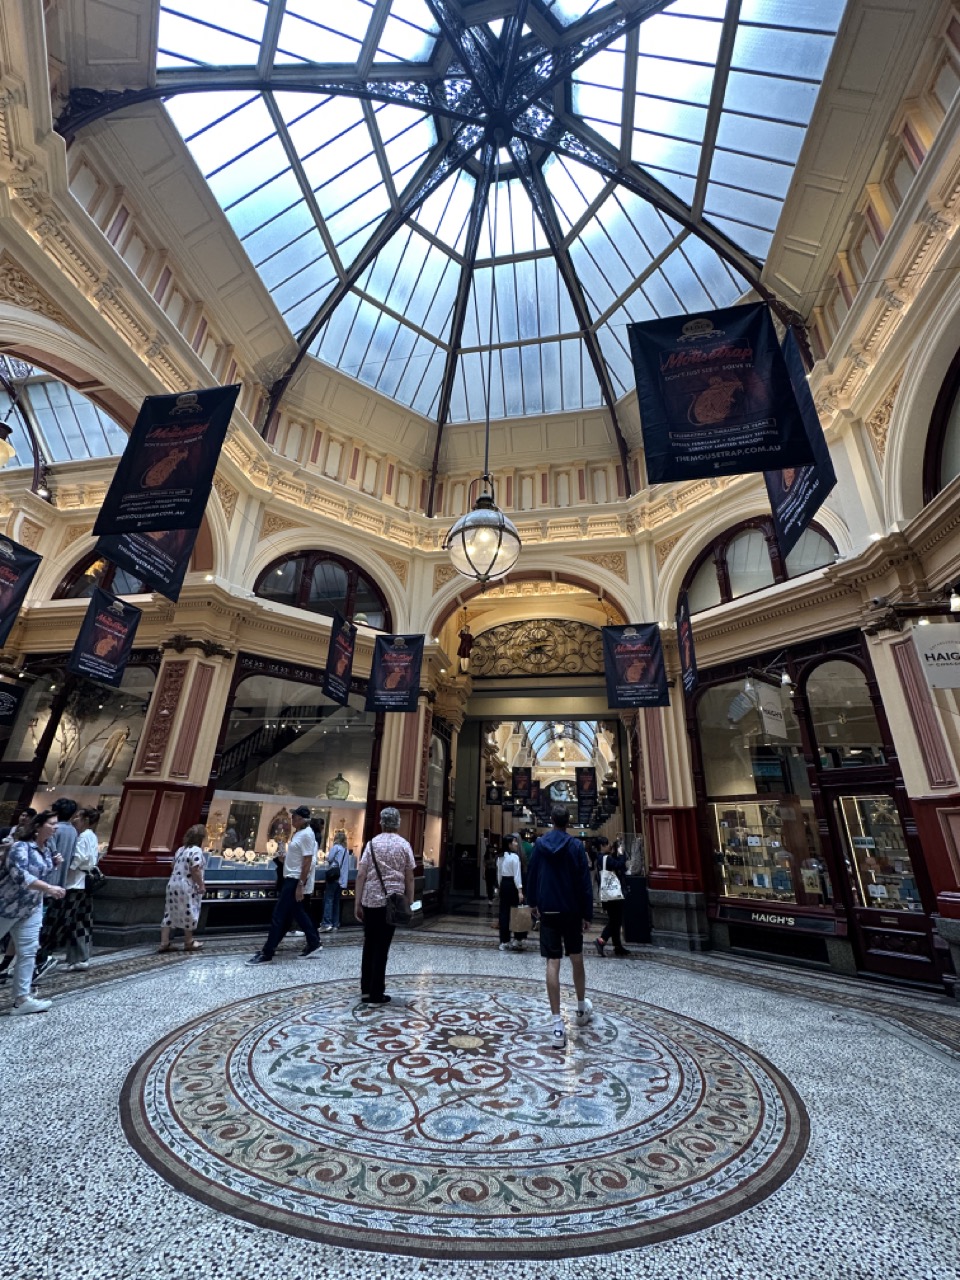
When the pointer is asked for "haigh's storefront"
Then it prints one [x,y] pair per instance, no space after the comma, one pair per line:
[808,840]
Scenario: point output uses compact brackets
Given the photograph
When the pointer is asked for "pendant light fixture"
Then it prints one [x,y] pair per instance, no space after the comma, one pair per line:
[484,544]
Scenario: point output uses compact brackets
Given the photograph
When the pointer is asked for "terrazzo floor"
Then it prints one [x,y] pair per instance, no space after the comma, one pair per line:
[869,1194]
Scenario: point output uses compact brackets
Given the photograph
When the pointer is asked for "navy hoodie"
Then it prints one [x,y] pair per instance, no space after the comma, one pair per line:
[558,878]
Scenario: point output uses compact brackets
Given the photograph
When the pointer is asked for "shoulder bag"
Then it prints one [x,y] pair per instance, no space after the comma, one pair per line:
[610,888]
[333,870]
[397,910]
[94,880]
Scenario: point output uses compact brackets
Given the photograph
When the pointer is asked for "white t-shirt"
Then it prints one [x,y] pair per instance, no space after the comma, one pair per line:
[302,845]
[86,852]
[509,865]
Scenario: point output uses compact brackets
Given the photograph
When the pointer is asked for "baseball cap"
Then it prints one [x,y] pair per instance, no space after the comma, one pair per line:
[302,811]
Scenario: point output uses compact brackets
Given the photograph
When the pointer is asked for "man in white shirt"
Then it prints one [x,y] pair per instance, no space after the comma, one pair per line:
[299,869]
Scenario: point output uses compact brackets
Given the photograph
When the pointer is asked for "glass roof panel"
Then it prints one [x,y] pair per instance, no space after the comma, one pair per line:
[228,34]
[410,33]
[306,37]
[306,180]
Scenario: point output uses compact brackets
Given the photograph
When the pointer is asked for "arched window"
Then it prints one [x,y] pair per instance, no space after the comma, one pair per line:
[844,721]
[747,558]
[941,462]
[322,582]
[94,571]
[68,426]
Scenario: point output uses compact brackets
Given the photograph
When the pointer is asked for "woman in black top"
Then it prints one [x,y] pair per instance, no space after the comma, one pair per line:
[617,863]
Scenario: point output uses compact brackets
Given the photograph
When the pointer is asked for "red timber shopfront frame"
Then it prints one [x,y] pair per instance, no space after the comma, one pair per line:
[855,926]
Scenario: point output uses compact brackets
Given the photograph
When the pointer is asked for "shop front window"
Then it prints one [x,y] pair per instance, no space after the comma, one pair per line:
[844,721]
[94,743]
[287,745]
[884,876]
[760,810]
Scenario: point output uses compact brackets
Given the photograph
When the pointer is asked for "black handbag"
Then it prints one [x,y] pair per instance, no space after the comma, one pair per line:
[95,880]
[397,910]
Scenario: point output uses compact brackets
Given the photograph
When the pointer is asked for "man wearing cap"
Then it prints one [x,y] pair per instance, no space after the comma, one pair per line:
[299,868]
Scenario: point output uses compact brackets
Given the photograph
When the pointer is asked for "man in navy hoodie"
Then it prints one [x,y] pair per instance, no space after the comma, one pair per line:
[560,891]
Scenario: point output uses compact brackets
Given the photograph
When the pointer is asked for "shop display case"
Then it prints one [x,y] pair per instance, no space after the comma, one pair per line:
[769,852]
[878,848]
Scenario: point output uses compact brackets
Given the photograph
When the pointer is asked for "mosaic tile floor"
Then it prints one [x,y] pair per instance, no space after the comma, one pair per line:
[493,1147]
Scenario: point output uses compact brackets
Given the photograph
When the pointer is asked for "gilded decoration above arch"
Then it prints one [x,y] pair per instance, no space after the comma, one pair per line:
[73,533]
[399,567]
[21,290]
[664,548]
[442,574]
[538,648]
[272,524]
[227,495]
[878,423]
[613,561]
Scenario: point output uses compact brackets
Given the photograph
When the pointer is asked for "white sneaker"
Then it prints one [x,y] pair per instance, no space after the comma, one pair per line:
[559,1037]
[517,946]
[79,967]
[31,1005]
[585,1014]
[505,946]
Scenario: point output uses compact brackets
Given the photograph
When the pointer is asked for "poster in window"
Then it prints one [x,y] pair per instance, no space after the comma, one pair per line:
[797,493]
[522,784]
[159,560]
[18,565]
[343,642]
[163,478]
[106,638]
[395,677]
[11,695]
[688,655]
[634,666]
[715,395]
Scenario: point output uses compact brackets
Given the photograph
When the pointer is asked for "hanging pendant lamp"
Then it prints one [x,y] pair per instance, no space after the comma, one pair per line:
[484,544]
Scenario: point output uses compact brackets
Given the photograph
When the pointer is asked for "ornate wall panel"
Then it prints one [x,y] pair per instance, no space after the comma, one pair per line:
[538,648]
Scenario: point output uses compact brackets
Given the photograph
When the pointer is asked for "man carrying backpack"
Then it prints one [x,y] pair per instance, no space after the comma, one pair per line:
[560,892]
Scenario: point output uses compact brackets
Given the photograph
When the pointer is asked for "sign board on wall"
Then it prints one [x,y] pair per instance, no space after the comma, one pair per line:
[771,710]
[938,648]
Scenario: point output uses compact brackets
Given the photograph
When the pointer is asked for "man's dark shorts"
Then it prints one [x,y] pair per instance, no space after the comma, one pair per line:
[560,935]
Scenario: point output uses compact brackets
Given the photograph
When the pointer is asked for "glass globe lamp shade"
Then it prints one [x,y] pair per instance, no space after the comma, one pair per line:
[483,544]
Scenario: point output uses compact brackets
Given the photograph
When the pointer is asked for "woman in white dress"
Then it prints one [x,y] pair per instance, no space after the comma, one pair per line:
[185,890]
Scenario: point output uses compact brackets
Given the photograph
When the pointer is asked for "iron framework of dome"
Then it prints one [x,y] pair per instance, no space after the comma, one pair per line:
[636,156]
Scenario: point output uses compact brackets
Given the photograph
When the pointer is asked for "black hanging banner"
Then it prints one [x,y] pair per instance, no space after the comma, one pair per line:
[797,493]
[17,568]
[634,666]
[715,396]
[586,794]
[688,656]
[106,638]
[395,677]
[163,478]
[494,796]
[522,784]
[535,800]
[159,560]
[343,642]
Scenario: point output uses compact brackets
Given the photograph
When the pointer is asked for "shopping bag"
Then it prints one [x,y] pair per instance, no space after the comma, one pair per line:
[521,919]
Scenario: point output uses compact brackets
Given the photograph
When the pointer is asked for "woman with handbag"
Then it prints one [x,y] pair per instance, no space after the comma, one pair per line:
[384,891]
[612,869]
[78,915]
[25,880]
[511,894]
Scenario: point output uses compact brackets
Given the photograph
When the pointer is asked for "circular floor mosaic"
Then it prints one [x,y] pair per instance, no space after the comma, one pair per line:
[446,1125]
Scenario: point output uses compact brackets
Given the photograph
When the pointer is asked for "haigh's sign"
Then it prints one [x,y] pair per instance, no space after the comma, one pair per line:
[777,919]
[938,648]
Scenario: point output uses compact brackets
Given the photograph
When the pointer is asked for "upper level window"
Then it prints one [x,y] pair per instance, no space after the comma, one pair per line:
[94,571]
[324,583]
[941,462]
[746,558]
[68,426]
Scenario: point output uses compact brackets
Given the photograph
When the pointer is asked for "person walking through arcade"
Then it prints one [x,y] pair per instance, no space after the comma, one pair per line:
[299,870]
[560,891]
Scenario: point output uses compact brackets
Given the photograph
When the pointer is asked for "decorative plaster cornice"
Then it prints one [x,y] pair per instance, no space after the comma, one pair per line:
[613,561]
[878,423]
[21,290]
[273,523]
[663,549]
[399,567]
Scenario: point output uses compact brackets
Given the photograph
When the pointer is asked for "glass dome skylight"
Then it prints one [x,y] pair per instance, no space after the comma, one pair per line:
[645,148]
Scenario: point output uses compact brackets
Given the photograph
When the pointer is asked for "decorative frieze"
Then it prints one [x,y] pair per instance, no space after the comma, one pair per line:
[662,549]
[399,567]
[272,523]
[21,290]
[74,533]
[442,574]
[30,534]
[227,495]
[878,423]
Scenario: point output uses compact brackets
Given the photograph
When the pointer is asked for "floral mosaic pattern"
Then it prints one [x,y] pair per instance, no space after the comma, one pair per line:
[423,1126]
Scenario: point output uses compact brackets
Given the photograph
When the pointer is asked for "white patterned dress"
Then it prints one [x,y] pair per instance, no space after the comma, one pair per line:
[184,896]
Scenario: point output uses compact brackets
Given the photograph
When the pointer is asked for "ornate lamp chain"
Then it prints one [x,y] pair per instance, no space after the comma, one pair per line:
[492,220]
